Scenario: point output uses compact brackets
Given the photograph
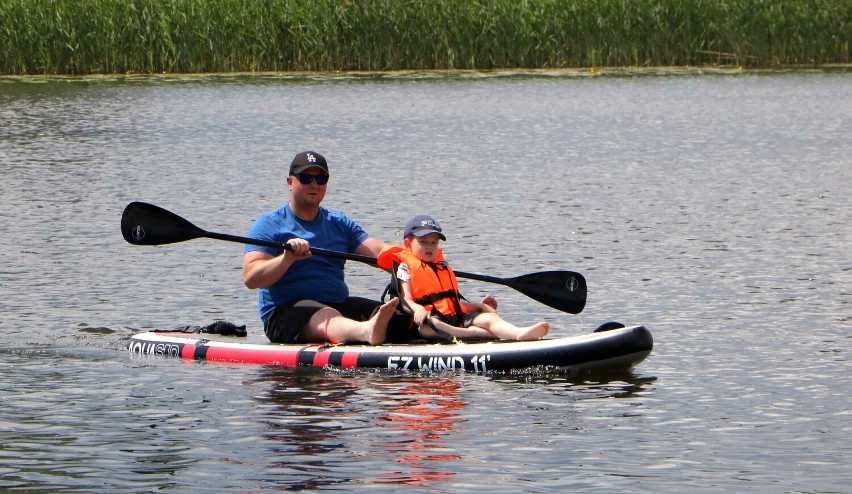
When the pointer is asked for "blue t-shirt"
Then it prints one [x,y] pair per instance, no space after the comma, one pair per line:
[317,278]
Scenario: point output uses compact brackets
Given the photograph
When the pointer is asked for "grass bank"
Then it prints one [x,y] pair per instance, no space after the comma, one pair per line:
[191,36]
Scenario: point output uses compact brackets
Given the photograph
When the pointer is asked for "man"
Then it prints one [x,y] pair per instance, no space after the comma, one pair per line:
[302,297]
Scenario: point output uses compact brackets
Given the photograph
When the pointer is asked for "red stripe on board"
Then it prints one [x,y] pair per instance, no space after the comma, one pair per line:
[321,359]
[350,359]
[273,356]
[187,351]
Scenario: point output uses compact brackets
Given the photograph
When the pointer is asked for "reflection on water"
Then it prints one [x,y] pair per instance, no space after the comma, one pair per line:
[315,424]
[315,419]
[421,417]
[586,385]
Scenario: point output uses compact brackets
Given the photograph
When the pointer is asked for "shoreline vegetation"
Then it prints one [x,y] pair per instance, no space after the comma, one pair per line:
[91,37]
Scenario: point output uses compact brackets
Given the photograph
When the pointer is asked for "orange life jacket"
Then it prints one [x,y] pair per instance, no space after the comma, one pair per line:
[433,284]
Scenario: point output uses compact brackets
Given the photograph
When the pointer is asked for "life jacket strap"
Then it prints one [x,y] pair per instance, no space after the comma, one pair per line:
[434,297]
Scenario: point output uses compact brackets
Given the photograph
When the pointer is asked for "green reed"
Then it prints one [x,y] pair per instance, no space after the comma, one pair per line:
[185,36]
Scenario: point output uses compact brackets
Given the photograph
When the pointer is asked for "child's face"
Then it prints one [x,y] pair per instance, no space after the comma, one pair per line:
[425,247]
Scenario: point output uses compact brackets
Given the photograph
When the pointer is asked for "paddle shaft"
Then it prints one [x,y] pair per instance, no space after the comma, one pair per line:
[568,294]
[341,255]
[191,231]
[147,224]
[277,245]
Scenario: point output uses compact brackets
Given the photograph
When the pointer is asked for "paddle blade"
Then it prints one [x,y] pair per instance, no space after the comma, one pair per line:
[146,224]
[562,290]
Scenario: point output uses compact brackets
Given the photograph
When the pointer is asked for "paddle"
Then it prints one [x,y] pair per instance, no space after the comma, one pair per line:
[147,224]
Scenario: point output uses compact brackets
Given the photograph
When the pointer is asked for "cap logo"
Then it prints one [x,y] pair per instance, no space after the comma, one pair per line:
[429,223]
[311,158]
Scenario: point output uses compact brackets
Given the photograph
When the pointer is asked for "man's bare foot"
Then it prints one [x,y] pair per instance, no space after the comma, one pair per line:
[377,326]
[534,332]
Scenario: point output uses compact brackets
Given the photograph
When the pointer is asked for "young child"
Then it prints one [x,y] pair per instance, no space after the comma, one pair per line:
[428,287]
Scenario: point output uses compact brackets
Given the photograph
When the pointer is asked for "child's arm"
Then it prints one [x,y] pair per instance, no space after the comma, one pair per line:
[418,312]
[421,315]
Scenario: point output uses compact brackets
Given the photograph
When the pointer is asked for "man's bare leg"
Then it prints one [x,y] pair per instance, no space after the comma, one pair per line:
[327,324]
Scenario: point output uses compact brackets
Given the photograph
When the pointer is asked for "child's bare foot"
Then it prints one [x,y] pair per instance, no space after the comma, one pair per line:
[534,332]
[377,326]
[490,301]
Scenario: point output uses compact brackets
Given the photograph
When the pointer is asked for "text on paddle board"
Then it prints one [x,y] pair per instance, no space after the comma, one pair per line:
[477,362]
[154,348]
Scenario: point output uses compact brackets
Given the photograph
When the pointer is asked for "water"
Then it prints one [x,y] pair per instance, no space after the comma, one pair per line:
[711,207]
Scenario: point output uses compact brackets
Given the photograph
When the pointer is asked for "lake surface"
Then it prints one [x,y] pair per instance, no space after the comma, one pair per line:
[712,207]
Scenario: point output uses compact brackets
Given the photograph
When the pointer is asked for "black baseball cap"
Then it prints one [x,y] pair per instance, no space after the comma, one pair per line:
[307,159]
[422,225]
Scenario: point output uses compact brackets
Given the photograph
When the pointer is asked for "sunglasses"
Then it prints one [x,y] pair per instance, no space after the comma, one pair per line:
[307,178]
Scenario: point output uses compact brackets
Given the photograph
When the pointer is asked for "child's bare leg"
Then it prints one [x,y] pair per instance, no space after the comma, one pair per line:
[508,331]
[471,332]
